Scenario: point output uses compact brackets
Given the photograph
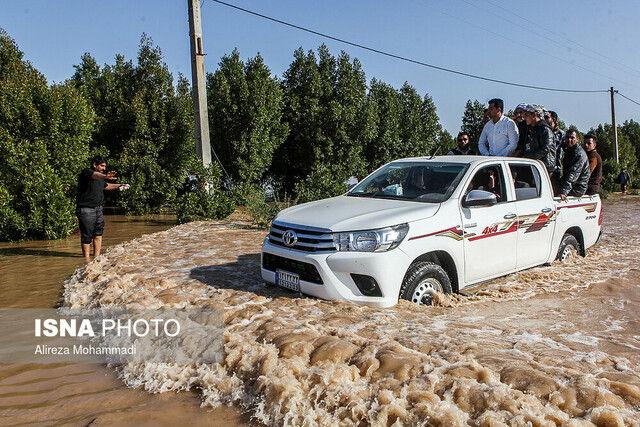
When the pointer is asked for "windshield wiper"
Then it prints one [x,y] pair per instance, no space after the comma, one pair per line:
[368,194]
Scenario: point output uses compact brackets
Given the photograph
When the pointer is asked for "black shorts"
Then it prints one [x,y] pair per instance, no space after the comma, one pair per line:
[91,223]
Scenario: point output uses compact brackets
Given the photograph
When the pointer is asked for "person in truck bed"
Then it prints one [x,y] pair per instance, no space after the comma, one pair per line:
[575,166]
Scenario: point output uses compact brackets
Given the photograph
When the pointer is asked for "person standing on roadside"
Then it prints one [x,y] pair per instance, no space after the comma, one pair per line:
[464,146]
[499,135]
[539,144]
[624,178]
[91,185]
[595,164]
[575,168]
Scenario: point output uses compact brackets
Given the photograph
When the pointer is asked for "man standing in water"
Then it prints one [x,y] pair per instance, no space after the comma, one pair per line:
[91,186]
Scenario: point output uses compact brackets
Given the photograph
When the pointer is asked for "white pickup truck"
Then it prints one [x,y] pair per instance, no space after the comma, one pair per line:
[419,226]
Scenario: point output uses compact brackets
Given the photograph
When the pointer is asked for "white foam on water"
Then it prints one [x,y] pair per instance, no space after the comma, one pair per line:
[537,347]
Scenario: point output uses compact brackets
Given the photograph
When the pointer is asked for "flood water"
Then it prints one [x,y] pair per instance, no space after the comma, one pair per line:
[32,275]
[555,345]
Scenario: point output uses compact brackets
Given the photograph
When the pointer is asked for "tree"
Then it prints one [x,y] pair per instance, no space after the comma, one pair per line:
[626,153]
[144,125]
[385,144]
[406,124]
[418,124]
[631,130]
[245,111]
[446,142]
[472,120]
[44,141]
[327,113]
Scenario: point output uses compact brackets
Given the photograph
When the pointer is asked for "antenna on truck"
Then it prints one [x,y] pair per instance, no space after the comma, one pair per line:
[436,152]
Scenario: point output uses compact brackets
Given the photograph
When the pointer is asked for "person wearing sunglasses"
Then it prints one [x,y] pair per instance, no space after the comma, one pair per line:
[464,146]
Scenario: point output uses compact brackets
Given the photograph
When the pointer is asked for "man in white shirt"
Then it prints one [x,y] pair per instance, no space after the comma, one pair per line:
[499,136]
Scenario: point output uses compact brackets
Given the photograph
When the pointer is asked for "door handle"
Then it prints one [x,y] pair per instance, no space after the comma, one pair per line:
[545,210]
[510,216]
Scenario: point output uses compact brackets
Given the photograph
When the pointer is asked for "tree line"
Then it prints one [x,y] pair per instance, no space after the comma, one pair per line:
[306,133]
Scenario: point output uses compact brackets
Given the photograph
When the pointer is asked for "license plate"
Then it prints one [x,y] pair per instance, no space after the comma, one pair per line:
[288,280]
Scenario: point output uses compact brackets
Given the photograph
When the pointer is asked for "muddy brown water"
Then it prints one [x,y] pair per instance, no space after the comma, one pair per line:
[32,275]
[554,345]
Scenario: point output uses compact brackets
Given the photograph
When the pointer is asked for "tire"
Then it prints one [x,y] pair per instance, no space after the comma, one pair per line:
[422,281]
[569,246]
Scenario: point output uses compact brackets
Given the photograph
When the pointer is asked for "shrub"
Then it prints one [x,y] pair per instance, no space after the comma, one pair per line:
[262,212]
[44,143]
[206,200]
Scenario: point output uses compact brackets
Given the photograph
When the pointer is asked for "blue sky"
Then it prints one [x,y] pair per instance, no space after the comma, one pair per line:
[525,42]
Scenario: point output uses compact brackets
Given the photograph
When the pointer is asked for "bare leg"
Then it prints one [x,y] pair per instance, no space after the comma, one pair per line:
[97,245]
[85,250]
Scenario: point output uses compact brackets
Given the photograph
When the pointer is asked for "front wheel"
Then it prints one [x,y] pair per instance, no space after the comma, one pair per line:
[568,249]
[423,281]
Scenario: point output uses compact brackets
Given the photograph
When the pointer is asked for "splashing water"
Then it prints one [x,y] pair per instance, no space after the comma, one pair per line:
[547,346]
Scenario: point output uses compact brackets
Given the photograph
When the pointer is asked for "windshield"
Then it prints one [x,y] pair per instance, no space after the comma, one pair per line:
[416,181]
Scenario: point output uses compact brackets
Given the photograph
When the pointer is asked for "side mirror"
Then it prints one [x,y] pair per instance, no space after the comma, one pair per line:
[479,198]
[351,186]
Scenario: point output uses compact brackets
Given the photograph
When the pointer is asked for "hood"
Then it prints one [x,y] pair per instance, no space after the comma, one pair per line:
[348,213]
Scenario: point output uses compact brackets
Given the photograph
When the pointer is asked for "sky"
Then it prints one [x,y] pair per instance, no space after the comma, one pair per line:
[566,44]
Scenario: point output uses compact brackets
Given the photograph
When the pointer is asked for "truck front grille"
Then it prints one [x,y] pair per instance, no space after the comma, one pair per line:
[306,271]
[309,239]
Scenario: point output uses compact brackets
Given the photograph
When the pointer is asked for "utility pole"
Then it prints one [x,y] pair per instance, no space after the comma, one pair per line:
[613,124]
[200,111]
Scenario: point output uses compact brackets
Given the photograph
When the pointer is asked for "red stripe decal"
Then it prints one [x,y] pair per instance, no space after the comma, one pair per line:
[511,229]
[452,229]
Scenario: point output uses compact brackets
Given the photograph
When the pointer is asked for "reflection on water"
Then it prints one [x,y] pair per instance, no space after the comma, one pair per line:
[548,346]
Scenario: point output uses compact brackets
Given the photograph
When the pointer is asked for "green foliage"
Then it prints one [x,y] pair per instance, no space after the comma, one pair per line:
[245,111]
[626,152]
[262,212]
[144,123]
[610,171]
[419,124]
[446,141]
[472,120]
[44,136]
[631,131]
[329,122]
[207,201]
[386,144]
[405,124]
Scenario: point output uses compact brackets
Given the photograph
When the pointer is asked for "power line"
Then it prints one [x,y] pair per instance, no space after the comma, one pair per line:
[629,99]
[525,45]
[567,39]
[402,58]
[608,63]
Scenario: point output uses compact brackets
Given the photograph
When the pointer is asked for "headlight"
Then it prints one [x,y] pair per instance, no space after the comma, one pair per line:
[381,240]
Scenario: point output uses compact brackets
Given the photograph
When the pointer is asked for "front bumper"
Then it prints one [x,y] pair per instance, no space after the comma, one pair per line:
[335,269]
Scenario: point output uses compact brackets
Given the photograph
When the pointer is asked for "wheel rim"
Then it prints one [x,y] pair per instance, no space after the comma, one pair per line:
[567,253]
[425,291]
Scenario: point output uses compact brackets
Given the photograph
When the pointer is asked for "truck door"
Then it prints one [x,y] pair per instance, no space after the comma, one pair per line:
[536,214]
[490,231]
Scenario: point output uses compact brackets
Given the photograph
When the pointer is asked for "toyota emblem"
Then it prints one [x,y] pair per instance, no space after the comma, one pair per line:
[289,238]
